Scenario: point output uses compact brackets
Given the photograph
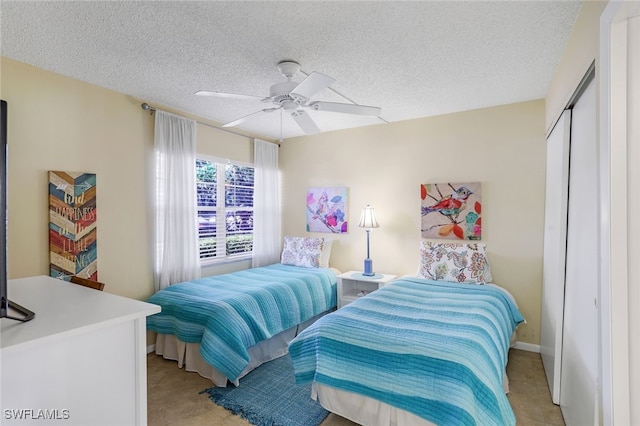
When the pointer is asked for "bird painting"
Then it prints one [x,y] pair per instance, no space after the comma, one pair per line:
[451,211]
[326,210]
[450,205]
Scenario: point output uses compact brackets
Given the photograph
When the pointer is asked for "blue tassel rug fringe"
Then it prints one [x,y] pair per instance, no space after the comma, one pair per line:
[269,396]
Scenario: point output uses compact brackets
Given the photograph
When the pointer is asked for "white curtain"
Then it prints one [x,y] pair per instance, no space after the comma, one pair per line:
[266,205]
[176,232]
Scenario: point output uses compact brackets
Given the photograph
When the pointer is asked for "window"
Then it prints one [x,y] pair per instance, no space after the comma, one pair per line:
[225,209]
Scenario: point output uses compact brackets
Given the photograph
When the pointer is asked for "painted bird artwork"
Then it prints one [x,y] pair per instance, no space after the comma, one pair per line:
[326,210]
[450,205]
[451,211]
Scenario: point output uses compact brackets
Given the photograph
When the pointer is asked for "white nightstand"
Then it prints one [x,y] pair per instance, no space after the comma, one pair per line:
[353,284]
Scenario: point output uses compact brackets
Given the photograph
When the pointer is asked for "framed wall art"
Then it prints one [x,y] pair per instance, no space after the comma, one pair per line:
[72,225]
[327,210]
[451,210]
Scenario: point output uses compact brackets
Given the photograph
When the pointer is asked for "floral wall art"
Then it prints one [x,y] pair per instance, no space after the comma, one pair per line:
[326,210]
[451,210]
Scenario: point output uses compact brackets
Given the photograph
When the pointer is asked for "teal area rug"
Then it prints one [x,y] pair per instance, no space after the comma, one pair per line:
[269,396]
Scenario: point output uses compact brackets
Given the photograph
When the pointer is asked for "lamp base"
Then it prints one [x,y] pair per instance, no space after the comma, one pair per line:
[368,268]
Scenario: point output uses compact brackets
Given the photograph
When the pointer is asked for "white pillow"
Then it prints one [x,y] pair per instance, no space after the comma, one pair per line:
[326,253]
[454,262]
[299,251]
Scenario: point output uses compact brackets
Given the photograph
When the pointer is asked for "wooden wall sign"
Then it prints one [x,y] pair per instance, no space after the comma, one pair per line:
[72,225]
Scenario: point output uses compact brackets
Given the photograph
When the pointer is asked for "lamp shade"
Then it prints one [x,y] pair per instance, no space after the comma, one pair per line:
[368,218]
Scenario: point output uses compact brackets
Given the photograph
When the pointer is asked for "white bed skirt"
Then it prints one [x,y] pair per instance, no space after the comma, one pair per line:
[363,410]
[368,411]
[188,354]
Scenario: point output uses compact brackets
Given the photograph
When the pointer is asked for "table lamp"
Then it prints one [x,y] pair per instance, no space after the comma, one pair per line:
[368,221]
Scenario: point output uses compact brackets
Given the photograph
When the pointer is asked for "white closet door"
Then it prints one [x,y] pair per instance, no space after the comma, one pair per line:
[580,332]
[555,243]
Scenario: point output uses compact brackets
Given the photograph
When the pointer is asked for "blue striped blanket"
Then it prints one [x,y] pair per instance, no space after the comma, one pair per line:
[229,313]
[433,348]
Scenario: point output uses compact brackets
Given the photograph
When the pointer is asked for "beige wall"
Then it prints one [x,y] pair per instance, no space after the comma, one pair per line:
[581,50]
[58,123]
[383,165]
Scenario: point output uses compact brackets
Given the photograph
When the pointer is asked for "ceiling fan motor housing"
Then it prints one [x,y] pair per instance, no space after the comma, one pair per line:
[279,93]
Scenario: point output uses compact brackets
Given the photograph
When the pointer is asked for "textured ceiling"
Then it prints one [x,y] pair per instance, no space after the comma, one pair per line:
[412,59]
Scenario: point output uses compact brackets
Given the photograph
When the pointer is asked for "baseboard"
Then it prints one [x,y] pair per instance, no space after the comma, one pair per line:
[151,348]
[527,347]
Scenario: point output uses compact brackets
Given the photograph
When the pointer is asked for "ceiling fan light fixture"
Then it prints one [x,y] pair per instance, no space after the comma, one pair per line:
[290,106]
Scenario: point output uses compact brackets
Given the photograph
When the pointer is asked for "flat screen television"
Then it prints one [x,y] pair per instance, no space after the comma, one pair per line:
[8,309]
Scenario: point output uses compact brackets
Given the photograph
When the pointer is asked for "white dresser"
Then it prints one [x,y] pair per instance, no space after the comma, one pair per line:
[80,361]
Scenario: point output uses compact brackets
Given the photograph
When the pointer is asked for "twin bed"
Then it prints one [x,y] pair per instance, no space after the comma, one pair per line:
[423,349]
[226,325]
[420,351]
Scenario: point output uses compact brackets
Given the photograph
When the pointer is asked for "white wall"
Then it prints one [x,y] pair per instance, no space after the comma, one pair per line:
[619,277]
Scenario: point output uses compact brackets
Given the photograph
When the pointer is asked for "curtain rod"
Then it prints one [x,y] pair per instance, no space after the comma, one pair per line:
[145,106]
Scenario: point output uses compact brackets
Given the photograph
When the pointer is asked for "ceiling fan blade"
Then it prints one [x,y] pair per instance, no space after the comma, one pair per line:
[242,119]
[345,108]
[227,95]
[311,85]
[305,122]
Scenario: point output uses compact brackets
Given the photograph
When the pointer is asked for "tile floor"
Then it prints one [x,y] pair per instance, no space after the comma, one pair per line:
[173,397]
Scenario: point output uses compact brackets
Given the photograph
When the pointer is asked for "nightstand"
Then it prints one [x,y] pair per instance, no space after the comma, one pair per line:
[353,284]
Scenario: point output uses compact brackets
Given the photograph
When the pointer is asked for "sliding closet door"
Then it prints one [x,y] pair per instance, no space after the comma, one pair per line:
[579,370]
[555,244]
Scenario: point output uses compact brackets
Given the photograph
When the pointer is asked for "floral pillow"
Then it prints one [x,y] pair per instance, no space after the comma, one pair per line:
[460,263]
[300,251]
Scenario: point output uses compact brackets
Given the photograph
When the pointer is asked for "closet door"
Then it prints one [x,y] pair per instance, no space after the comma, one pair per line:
[580,326]
[555,244]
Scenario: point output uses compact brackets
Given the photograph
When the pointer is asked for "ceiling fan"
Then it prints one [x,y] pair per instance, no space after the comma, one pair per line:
[293,98]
